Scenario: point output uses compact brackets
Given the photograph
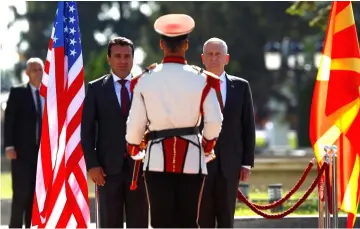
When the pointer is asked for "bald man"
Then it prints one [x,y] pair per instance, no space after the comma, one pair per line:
[235,147]
[23,117]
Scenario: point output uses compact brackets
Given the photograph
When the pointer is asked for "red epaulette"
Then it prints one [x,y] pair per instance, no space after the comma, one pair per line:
[136,78]
[213,80]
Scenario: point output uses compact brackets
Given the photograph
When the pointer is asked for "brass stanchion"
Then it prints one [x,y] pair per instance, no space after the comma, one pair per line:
[327,213]
[321,213]
[326,194]
[334,187]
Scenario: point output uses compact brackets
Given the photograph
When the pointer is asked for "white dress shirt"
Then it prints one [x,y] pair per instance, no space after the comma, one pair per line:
[223,94]
[118,86]
[223,87]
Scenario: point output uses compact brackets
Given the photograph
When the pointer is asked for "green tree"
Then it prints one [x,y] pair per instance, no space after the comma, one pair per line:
[246,27]
[95,18]
[97,65]
[317,12]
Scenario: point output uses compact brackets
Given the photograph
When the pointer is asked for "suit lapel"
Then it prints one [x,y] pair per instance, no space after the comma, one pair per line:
[110,93]
[230,93]
[131,94]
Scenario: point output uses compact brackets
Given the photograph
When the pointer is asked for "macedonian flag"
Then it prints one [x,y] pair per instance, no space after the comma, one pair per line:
[335,116]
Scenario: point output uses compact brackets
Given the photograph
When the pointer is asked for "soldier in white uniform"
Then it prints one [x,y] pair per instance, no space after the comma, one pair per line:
[168,102]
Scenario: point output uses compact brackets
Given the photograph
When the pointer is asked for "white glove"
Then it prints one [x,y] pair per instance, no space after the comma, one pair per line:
[139,156]
[210,157]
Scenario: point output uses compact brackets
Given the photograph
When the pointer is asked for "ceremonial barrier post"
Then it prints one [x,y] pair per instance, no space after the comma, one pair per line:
[275,194]
[321,213]
[327,213]
[323,220]
[326,190]
[244,188]
[326,196]
[257,208]
[334,187]
[329,198]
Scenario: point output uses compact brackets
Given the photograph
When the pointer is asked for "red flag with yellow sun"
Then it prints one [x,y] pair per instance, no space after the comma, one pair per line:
[335,116]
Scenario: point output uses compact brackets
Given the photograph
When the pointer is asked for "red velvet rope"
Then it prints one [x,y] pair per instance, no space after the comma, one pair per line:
[289,194]
[241,197]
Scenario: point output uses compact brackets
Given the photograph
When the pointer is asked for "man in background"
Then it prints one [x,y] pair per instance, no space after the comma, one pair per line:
[23,117]
[103,128]
[235,147]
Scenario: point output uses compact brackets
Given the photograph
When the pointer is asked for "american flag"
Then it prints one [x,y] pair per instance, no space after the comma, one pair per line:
[61,195]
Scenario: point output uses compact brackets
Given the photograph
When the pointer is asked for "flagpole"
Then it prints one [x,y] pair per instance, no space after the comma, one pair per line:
[321,213]
[97,210]
[326,194]
[334,186]
[322,196]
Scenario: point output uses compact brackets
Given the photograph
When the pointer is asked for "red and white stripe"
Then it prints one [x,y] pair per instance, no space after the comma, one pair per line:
[61,195]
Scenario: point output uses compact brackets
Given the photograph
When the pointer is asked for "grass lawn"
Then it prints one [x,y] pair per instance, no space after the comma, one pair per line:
[309,207]
[260,139]
[6,190]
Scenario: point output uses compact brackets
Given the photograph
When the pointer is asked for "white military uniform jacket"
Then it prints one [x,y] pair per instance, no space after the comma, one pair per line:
[169,97]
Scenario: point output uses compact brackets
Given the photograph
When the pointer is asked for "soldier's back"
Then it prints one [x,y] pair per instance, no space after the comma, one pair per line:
[172,94]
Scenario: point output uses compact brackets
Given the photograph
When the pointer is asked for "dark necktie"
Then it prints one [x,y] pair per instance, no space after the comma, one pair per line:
[219,97]
[38,115]
[125,101]
[124,98]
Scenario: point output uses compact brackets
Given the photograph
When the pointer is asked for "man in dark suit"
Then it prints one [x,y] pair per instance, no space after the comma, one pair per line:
[103,127]
[22,128]
[235,147]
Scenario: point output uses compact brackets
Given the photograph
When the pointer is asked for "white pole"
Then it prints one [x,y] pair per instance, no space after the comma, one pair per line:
[321,213]
[326,194]
[334,187]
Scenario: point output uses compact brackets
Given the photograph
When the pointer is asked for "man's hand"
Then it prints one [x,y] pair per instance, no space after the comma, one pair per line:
[244,174]
[210,157]
[97,175]
[11,154]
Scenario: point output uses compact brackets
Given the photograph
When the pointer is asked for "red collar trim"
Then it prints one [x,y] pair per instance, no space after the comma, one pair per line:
[174,59]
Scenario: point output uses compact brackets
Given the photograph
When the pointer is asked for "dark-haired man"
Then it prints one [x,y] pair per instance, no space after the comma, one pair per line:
[168,102]
[103,127]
